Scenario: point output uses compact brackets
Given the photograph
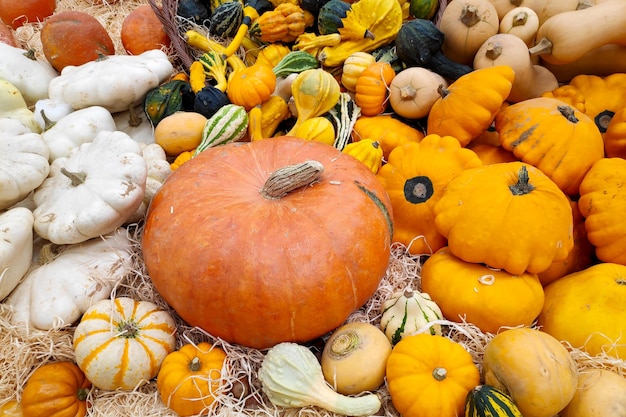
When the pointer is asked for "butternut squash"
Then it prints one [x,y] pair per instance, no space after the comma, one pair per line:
[602,61]
[414,90]
[466,25]
[568,36]
[522,22]
[543,8]
[530,80]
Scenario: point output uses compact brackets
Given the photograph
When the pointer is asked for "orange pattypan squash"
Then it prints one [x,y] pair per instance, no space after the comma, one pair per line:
[372,88]
[430,375]
[284,23]
[491,154]
[569,94]
[468,106]
[615,135]
[386,130]
[586,309]
[415,176]
[486,297]
[207,241]
[11,408]
[190,378]
[507,215]
[579,258]
[602,203]
[553,136]
[56,389]
[251,86]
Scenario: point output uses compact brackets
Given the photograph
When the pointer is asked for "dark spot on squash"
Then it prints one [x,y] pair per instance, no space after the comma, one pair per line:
[418,189]
[523,137]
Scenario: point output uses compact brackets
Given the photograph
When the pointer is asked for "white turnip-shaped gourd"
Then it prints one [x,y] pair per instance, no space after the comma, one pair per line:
[78,127]
[30,75]
[158,171]
[91,192]
[408,312]
[68,279]
[116,82]
[16,247]
[23,161]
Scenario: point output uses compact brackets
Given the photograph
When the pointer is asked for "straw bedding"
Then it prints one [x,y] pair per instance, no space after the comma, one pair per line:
[22,350]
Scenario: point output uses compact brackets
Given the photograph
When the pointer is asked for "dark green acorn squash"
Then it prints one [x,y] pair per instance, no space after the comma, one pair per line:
[209,100]
[166,99]
[195,10]
[418,44]
[488,401]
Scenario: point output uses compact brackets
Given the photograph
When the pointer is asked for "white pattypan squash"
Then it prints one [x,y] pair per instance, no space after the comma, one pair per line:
[13,106]
[92,191]
[78,127]
[69,279]
[48,112]
[30,75]
[16,247]
[23,161]
[135,123]
[158,171]
[115,82]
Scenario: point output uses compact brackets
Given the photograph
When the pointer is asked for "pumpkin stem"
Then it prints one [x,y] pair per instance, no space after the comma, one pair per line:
[568,113]
[470,16]
[493,51]
[544,46]
[30,54]
[344,344]
[290,178]
[520,19]
[133,120]
[195,365]
[443,91]
[47,123]
[128,329]
[408,92]
[77,178]
[82,394]
[522,186]
[440,373]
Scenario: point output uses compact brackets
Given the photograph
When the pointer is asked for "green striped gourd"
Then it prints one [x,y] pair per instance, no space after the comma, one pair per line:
[294,63]
[488,401]
[226,19]
[406,312]
[228,124]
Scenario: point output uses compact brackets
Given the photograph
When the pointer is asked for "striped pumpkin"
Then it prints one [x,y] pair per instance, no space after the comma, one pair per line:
[488,401]
[120,343]
[228,124]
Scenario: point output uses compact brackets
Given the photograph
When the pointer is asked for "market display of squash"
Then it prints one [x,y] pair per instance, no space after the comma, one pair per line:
[356,207]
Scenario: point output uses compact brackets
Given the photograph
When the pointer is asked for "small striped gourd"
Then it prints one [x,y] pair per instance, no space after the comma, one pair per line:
[120,343]
[228,124]
[488,401]
[226,19]
[408,311]
[295,62]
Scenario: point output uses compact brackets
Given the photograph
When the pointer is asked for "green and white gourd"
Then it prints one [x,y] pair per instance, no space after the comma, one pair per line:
[228,124]
[407,312]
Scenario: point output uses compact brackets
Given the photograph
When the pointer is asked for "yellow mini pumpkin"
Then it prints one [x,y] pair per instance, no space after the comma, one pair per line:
[367,151]
[468,106]
[415,176]
[507,215]
[602,203]
[430,375]
[190,378]
[588,309]
[486,297]
[553,136]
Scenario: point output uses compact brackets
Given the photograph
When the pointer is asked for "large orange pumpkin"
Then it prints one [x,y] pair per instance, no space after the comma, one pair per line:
[258,269]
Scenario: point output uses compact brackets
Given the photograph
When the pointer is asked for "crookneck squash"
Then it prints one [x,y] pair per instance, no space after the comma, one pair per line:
[415,176]
[525,225]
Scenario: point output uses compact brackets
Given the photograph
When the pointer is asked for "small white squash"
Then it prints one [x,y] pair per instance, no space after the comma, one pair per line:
[67,280]
[23,161]
[92,191]
[16,247]
[414,90]
[120,343]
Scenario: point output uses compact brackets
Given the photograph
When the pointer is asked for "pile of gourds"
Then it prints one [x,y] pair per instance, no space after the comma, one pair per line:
[272,170]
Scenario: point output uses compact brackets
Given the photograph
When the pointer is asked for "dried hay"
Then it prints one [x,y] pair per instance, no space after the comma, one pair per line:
[23,350]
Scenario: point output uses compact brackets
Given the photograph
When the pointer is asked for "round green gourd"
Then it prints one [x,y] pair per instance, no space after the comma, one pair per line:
[488,401]
[226,19]
[166,99]
[423,9]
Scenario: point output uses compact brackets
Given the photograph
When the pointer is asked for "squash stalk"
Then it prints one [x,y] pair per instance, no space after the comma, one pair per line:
[523,185]
[290,178]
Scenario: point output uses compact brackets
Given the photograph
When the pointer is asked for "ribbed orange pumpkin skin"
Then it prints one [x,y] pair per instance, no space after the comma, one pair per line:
[258,272]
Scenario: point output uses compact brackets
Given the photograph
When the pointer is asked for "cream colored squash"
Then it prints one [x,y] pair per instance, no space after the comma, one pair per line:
[16,247]
[522,22]
[600,393]
[414,90]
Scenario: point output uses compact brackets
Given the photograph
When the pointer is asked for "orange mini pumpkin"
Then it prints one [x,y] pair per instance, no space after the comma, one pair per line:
[372,88]
[73,38]
[251,86]
[17,13]
[236,253]
[143,31]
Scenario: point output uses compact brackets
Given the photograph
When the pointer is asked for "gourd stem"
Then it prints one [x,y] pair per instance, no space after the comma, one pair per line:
[408,292]
[369,35]
[82,394]
[584,4]
[48,253]
[30,54]
[440,373]
[195,365]
[408,92]
[470,16]
[523,185]
[443,91]
[128,329]
[77,178]
[516,3]
[133,120]
[543,47]
[47,123]
[568,113]
[519,19]
[494,50]
[290,178]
